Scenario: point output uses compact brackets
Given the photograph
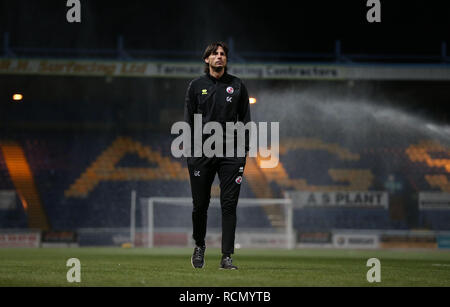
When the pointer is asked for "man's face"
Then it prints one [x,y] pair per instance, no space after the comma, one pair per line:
[217,60]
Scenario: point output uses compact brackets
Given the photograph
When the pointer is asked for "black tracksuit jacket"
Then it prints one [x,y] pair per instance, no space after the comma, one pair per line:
[221,100]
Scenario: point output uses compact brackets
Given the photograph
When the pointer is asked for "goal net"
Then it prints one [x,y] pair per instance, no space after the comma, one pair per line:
[167,221]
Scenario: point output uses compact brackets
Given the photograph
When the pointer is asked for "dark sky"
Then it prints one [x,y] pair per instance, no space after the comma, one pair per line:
[290,26]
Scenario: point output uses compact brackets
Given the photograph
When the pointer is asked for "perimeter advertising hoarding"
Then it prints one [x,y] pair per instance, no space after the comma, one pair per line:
[434,200]
[20,239]
[355,240]
[315,239]
[443,241]
[77,67]
[408,239]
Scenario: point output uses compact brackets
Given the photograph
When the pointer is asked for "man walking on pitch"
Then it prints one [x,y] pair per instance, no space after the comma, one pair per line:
[218,97]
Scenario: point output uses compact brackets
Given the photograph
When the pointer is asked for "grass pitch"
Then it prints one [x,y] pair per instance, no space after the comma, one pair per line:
[171,267]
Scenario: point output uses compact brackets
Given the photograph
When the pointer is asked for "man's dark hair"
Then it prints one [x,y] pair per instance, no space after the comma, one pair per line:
[210,49]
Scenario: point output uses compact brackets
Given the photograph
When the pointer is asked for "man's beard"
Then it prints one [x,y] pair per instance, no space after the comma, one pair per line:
[217,68]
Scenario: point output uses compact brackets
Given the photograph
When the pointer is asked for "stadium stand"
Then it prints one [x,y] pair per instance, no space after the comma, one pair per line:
[85,180]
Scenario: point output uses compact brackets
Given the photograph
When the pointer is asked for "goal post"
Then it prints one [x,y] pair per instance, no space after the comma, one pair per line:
[167,221]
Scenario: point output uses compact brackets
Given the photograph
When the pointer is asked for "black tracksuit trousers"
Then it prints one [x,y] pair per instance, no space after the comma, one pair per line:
[202,171]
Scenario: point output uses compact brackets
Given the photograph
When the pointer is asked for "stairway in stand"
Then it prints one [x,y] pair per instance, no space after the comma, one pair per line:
[24,184]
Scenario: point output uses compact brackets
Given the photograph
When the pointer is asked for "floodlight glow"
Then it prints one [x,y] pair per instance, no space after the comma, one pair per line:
[17,97]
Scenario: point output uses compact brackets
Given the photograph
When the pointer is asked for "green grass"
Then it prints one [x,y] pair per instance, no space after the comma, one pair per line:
[257,268]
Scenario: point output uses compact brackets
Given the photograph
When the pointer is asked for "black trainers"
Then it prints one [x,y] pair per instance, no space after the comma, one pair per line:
[226,264]
[198,257]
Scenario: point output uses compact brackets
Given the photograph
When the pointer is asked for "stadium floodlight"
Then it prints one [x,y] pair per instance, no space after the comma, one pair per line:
[250,232]
[17,97]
